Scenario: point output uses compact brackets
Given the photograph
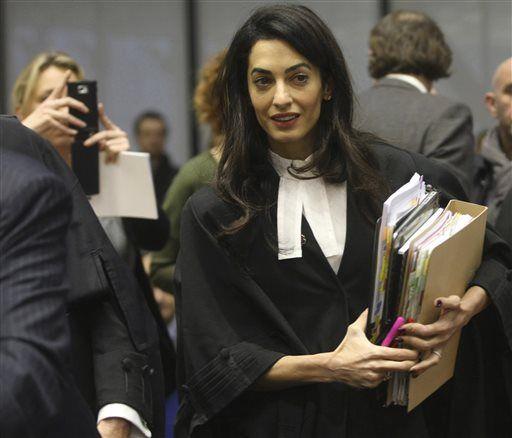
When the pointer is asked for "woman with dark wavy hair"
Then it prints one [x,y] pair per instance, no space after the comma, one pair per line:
[274,273]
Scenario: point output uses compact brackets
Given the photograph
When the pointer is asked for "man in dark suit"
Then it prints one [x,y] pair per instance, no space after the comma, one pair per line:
[38,396]
[407,55]
[115,356]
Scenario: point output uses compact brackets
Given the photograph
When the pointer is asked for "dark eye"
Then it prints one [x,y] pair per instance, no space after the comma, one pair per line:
[301,78]
[262,81]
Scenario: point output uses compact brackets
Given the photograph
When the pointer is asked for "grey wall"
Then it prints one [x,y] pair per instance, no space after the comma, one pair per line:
[137,49]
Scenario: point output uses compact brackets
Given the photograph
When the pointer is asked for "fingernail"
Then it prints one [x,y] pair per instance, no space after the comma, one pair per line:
[399,339]
[414,374]
[401,331]
[439,303]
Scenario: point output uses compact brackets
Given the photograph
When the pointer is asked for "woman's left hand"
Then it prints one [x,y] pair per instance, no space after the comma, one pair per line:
[112,139]
[456,312]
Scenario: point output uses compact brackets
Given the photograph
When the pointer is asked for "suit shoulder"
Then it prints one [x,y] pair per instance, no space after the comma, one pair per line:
[23,177]
[17,137]
[413,97]
[445,104]
[25,170]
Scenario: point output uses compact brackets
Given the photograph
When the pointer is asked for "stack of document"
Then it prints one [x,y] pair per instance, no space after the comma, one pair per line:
[422,252]
[398,205]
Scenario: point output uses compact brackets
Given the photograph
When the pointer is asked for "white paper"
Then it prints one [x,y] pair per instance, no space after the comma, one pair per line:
[126,187]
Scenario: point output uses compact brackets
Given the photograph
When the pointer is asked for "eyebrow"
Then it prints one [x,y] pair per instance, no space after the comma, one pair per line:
[288,70]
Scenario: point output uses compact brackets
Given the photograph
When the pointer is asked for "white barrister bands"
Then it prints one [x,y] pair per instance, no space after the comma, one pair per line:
[323,205]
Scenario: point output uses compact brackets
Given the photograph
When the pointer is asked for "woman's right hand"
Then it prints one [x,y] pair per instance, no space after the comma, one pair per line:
[361,364]
[51,118]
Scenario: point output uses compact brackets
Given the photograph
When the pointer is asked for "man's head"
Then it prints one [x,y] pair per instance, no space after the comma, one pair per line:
[409,42]
[499,100]
[151,132]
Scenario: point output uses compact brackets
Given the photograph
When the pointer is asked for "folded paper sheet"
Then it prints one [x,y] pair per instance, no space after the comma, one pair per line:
[463,250]
[126,187]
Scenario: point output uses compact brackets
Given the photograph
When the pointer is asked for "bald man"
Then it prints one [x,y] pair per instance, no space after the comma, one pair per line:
[496,145]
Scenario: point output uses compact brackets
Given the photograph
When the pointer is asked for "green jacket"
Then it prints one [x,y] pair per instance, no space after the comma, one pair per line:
[196,173]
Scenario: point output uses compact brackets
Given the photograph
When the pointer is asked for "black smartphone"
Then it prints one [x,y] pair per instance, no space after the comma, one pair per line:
[85,160]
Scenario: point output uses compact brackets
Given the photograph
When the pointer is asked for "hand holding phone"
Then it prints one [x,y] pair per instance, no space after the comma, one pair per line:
[112,139]
[52,120]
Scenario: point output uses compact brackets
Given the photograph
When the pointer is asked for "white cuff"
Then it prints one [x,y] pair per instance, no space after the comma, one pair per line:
[139,427]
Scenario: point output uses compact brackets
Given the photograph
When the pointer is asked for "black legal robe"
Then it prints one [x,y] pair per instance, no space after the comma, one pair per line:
[240,310]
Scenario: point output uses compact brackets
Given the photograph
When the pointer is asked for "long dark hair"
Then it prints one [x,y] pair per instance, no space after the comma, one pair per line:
[242,175]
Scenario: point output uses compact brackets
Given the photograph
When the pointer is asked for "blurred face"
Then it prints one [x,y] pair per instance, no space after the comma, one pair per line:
[499,101]
[49,79]
[286,93]
[151,136]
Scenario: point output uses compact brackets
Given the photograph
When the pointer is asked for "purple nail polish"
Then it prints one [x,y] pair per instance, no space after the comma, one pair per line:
[439,303]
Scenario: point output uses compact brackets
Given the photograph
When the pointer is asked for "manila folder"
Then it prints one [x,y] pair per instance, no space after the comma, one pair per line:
[452,266]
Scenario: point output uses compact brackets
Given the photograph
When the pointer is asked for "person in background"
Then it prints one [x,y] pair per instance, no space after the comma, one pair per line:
[196,173]
[408,53]
[115,347]
[494,174]
[39,99]
[38,396]
[151,133]
[504,220]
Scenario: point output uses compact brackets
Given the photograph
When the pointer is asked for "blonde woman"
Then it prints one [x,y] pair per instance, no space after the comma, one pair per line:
[40,101]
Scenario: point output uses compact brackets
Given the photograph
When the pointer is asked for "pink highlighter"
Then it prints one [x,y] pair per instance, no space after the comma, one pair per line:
[400,321]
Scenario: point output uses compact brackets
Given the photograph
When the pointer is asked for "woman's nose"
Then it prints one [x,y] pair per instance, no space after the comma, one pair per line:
[282,97]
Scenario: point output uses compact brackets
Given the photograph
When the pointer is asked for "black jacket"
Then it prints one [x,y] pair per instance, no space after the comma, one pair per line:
[236,320]
[152,235]
[114,338]
[38,396]
[504,221]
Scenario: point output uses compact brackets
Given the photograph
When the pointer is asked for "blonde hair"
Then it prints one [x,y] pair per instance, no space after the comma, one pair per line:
[206,100]
[25,84]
